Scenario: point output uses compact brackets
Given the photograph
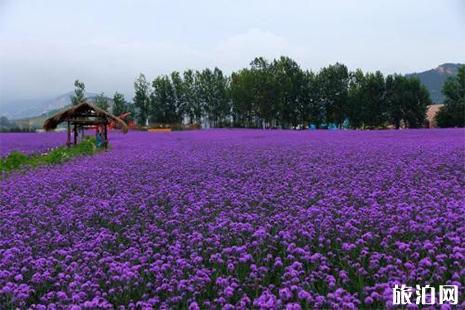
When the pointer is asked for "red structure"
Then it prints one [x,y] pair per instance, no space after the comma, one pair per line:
[130,124]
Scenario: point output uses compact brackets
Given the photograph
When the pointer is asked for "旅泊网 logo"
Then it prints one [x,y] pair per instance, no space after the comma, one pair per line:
[426,295]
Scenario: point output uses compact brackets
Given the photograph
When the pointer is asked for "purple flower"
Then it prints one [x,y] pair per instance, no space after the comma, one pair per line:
[235,218]
[368,300]
[228,292]
[285,294]
[19,278]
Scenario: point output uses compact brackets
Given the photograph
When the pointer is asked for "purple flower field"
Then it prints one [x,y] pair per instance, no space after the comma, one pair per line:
[237,219]
[29,143]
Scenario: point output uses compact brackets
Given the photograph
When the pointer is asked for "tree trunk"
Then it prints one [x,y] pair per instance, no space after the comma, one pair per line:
[75,133]
[68,139]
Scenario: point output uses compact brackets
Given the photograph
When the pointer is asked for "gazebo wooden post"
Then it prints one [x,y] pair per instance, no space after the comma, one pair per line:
[105,134]
[75,133]
[68,140]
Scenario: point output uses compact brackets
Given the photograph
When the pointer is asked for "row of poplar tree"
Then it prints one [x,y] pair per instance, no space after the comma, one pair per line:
[280,94]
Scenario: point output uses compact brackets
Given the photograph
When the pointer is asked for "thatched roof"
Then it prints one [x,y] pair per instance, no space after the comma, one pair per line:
[85,114]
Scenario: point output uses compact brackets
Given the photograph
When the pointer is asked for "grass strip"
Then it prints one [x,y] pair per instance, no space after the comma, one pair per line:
[17,160]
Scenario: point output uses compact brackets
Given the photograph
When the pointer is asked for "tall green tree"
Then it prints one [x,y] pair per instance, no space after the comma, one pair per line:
[453,112]
[417,98]
[374,109]
[179,95]
[131,108]
[243,98]
[307,95]
[142,99]
[312,109]
[266,106]
[101,101]
[120,105]
[395,85]
[334,82]
[192,106]
[290,84]
[406,100]
[79,93]
[357,99]
[213,95]
[163,102]
[221,104]
[203,86]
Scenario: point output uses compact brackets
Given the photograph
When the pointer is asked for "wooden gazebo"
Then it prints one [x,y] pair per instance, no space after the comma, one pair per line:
[83,116]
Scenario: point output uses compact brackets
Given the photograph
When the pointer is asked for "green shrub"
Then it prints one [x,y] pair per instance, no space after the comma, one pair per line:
[17,160]
[13,161]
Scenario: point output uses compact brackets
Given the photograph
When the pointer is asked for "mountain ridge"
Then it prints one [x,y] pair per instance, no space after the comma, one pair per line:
[434,79]
[32,108]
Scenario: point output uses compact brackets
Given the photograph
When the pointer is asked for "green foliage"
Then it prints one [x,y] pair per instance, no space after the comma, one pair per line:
[194,96]
[191,103]
[270,94]
[334,81]
[451,116]
[212,93]
[131,108]
[279,94]
[79,93]
[120,105]
[367,106]
[13,161]
[18,160]
[102,102]
[142,100]
[453,112]
[406,101]
[179,95]
[163,107]
[288,93]
[243,98]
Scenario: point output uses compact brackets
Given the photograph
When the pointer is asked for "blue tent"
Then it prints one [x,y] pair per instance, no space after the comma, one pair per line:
[346,124]
[332,126]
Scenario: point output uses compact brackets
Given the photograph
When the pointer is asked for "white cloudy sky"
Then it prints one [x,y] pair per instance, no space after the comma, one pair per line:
[45,45]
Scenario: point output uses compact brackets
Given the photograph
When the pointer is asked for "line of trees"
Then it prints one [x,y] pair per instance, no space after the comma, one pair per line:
[280,94]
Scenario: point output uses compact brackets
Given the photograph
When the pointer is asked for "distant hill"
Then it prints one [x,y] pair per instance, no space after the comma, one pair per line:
[34,121]
[434,79]
[33,114]
[32,108]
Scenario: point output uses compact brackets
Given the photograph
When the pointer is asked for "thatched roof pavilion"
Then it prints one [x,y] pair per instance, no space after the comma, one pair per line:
[82,116]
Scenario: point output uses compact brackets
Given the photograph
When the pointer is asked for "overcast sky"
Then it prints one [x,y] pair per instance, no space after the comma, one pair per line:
[45,45]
